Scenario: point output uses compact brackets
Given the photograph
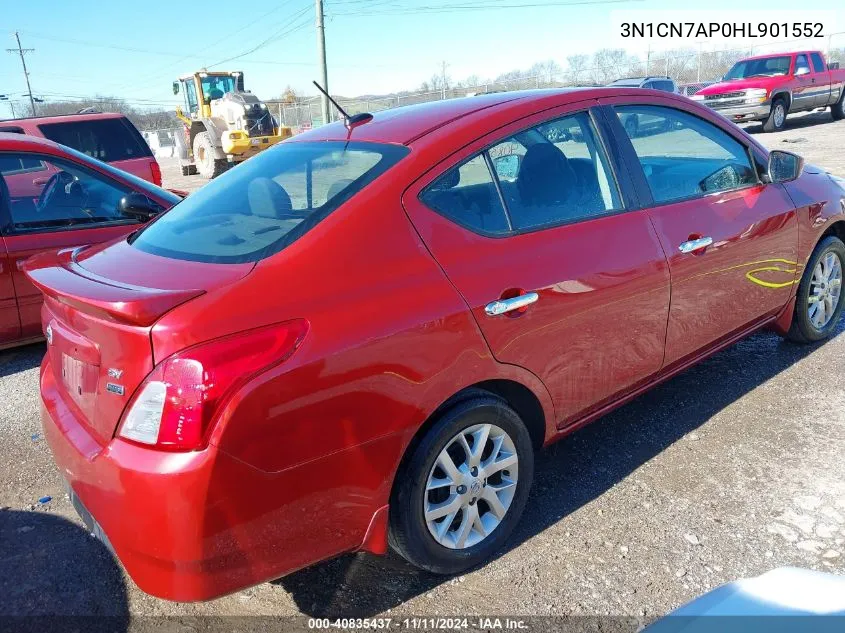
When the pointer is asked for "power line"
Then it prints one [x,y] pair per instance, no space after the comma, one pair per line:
[23,51]
[470,6]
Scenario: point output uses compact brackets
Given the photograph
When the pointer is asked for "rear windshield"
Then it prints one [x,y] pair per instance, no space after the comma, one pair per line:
[107,140]
[264,204]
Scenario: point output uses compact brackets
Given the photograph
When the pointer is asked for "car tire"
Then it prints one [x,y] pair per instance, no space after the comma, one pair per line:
[837,110]
[208,166]
[822,278]
[416,489]
[776,120]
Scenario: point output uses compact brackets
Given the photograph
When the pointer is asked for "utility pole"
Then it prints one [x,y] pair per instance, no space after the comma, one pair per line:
[321,58]
[443,79]
[23,51]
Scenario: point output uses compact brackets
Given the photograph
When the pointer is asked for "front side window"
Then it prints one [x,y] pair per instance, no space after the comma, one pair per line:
[266,203]
[62,195]
[802,67]
[555,173]
[683,156]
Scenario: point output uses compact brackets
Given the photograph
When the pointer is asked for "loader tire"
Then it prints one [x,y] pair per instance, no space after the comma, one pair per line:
[208,166]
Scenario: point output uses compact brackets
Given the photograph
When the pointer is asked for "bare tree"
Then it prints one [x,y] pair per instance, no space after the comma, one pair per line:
[577,64]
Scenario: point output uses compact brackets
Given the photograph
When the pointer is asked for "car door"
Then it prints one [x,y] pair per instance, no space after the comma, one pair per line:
[563,276]
[804,94]
[821,81]
[731,239]
[72,207]
[10,326]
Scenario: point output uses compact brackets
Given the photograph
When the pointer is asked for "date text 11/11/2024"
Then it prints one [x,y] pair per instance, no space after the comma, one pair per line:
[419,624]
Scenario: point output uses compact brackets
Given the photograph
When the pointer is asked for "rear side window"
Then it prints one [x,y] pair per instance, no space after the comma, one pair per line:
[683,156]
[467,195]
[266,203]
[107,140]
[818,64]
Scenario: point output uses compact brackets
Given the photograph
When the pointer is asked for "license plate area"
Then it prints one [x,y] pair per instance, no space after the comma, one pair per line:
[80,381]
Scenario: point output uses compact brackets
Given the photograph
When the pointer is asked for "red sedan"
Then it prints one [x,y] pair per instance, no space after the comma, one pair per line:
[361,336]
[53,197]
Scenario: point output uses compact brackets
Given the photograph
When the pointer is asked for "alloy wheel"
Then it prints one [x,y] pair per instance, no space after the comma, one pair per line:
[471,486]
[825,290]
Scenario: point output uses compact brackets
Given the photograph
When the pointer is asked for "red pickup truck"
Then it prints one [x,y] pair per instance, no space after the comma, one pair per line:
[768,87]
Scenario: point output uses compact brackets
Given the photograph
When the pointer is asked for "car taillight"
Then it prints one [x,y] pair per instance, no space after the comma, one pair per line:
[154,167]
[175,406]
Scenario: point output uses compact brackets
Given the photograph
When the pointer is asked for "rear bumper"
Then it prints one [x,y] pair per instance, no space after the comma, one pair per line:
[195,526]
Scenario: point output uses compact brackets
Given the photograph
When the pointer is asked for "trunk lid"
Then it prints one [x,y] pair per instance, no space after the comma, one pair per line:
[100,305]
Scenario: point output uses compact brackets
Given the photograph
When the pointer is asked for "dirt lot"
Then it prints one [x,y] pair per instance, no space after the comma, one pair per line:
[729,470]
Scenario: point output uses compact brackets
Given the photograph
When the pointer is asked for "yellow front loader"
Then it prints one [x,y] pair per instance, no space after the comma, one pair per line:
[224,124]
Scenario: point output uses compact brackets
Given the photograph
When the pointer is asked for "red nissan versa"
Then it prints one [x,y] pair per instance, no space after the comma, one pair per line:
[55,197]
[361,336]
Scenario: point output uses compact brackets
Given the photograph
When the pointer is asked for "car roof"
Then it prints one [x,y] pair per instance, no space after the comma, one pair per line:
[63,118]
[406,124]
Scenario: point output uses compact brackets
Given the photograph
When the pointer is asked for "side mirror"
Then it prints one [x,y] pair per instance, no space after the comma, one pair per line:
[507,167]
[176,87]
[784,166]
[139,206]
[802,71]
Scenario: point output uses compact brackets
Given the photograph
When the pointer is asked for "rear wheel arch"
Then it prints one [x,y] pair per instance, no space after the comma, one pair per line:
[516,395]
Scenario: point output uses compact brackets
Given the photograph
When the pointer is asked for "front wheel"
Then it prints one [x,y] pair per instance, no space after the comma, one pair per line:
[777,116]
[818,302]
[464,487]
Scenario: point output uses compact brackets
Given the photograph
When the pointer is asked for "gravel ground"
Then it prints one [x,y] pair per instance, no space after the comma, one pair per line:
[729,470]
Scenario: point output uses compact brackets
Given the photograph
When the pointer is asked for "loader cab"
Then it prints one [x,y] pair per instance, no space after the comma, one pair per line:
[199,89]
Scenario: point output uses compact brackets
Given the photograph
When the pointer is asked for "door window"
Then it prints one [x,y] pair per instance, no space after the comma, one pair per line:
[15,164]
[559,174]
[107,140]
[802,67]
[683,156]
[467,195]
[59,195]
[818,63]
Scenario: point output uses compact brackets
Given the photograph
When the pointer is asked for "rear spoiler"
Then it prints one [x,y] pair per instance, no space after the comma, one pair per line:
[58,276]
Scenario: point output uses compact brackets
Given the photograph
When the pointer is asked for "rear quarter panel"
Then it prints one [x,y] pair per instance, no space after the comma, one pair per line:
[390,340]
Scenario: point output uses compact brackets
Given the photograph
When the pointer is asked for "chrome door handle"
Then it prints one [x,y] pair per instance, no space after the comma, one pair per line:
[500,306]
[695,245]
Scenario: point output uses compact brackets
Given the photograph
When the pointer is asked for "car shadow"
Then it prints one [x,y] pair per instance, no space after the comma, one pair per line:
[568,474]
[796,122]
[22,358]
[54,576]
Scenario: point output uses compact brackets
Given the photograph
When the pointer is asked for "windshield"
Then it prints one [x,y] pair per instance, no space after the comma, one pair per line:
[214,87]
[765,67]
[266,203]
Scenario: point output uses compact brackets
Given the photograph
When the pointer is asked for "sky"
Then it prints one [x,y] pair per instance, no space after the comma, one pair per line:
[134,50]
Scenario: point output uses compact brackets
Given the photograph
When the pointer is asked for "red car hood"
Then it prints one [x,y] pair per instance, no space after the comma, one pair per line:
[741,84]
